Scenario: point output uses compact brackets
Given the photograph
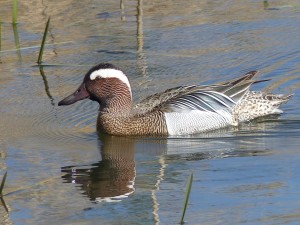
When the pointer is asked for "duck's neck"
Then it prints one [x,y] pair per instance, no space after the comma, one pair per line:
[118,103]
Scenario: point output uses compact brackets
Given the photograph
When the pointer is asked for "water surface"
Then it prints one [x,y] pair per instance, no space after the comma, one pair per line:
[60,171]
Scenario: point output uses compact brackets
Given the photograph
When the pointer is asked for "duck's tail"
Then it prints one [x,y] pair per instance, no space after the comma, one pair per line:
[258,104]
[278,99]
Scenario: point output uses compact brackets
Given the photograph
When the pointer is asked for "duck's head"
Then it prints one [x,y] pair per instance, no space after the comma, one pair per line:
[102,83]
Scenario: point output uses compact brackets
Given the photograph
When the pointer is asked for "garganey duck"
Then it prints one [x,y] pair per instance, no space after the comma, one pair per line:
[176,111]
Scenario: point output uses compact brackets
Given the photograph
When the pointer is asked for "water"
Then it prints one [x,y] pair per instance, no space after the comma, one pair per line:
[61,172]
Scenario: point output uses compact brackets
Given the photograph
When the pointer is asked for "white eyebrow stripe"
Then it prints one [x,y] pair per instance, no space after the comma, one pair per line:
[111,73]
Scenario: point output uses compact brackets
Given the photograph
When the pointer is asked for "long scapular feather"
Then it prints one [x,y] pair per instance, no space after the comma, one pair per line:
[208,101]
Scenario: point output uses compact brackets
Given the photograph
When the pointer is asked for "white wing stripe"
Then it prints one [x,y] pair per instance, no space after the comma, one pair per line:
[218,99]
[203,102]
[192,104]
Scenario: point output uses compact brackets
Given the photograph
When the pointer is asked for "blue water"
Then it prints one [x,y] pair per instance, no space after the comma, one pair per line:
[60,171]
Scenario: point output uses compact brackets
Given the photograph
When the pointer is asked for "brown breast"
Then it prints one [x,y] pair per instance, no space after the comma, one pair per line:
[152,123]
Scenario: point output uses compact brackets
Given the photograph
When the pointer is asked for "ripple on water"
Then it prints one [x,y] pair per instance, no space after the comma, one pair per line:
[71,126]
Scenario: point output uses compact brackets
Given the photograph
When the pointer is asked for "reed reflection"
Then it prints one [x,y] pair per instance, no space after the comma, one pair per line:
[0,39]
[122,7]
[47,90]
[141,57]
[17,40]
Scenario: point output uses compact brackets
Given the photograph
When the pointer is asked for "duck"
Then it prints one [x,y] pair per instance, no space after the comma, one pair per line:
[182,110]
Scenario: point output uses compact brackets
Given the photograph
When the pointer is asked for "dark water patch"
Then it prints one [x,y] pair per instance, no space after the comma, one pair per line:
[106,15]
[112,52]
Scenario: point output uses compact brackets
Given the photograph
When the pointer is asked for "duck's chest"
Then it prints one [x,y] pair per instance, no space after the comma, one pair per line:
[111,124]
[149,124]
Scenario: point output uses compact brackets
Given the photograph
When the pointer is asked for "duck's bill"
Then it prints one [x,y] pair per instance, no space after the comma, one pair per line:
[79,94]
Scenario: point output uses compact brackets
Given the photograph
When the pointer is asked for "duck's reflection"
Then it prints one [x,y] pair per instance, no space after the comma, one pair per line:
[111,179]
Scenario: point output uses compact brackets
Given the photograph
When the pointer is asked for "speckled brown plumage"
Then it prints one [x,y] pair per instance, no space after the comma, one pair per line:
[152,123]
[257,104]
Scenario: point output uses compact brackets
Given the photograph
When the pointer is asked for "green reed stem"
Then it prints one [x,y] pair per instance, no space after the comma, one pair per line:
[17,40]
[0,34]
[1,190]
[14,11]
[186,197]
[39,61]
[4,204]
[2,184]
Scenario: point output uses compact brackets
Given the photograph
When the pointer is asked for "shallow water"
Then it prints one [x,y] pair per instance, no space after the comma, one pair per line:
[61,172]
